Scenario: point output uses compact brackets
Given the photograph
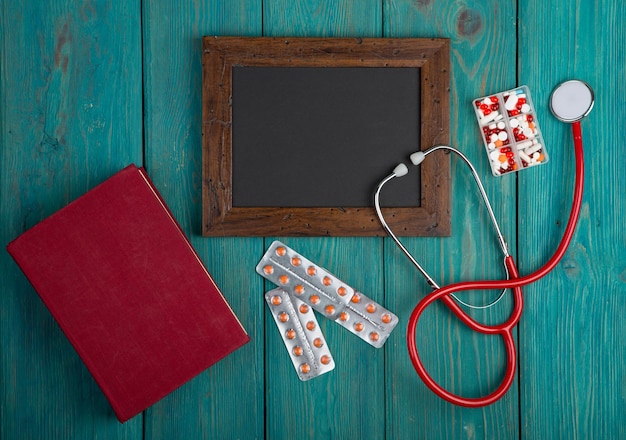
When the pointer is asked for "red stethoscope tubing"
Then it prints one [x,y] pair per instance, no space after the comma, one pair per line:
[515,282]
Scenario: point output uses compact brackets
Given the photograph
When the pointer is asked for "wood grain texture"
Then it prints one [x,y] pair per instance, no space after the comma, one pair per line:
[71,114]
[463,362]
[70,92]
[572,376]
[221,54]
[322,18]
[348,402]
[211,405]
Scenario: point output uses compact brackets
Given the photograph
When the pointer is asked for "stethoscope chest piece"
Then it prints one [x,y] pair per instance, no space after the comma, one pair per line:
[571,101]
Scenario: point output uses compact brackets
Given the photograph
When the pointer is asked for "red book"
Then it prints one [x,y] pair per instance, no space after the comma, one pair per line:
[128,290]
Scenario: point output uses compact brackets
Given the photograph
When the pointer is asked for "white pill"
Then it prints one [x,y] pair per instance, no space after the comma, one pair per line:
[491,145]
[501,125]
[525,108]
[528,132]
[524,144]
[503,136]
[487,101]
[524,156]
[510,102]
[487,119]
[492,126]
[514,123]
[493,137]
[532,150]
[494,155]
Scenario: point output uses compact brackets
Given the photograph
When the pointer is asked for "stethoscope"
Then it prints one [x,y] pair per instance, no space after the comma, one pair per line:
[570,102]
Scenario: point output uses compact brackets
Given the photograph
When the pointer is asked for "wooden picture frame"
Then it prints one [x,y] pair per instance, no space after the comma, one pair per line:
[221,54]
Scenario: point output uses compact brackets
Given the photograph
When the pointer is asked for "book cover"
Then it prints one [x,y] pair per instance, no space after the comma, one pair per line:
[129,291]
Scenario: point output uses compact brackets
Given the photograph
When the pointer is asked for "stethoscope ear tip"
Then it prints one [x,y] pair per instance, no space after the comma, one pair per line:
[400,170]
[417,157]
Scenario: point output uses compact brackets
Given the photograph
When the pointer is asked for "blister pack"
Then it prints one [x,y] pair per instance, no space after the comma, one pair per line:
[304,287]
[368,320]
[304,280]
[301,334]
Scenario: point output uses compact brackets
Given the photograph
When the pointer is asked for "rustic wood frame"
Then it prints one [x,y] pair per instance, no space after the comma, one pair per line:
[220,54]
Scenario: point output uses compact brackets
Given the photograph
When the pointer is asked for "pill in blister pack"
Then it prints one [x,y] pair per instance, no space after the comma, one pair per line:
[510,131]
[304,280]
[368,320]
[301,334]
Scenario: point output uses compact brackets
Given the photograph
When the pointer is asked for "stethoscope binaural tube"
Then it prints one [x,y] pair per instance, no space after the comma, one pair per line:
[566,97]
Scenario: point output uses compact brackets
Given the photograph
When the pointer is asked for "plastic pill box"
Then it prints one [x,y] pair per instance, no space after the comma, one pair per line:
[510,131]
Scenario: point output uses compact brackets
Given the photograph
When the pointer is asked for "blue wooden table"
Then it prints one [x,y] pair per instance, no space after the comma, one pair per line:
[87,87]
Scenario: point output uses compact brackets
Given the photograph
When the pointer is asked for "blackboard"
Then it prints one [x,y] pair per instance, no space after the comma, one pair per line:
[297,133]
[308,136]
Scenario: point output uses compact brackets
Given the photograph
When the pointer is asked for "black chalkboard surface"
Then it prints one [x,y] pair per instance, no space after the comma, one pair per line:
[307,136]
[298,132]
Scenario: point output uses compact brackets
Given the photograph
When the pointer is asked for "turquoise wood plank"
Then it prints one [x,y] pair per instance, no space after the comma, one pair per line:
[572,376]
[348,402]
[322,18]
[483,43]
[211,405]
[70,97]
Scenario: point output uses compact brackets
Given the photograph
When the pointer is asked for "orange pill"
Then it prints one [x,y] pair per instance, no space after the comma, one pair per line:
[374,336]
[315,299]
[310,325]
[283,279]
[304,308]
[291,333]
[358,326]
[299,289]
[297,351]
[356,298]
[268,269]
[386,318]
[498,143]
[371,308]
[342,291]
[280,251]
[502,158]
[277,300]
[330,309]
[327,281]
[305,368]
[283,317]
[295,261]
[318,342]
[344,316]
[325,359]
[311,270]
[541,158]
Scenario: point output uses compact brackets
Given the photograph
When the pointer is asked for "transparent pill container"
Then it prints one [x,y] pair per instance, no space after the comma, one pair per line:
[510,131]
